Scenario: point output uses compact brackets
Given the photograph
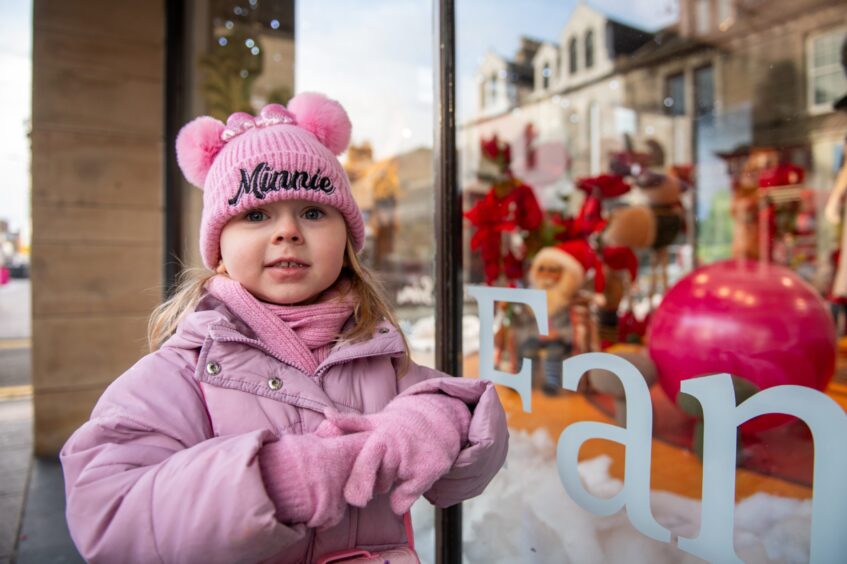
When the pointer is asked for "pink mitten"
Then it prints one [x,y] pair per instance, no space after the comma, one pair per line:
[412,443]
[304,476]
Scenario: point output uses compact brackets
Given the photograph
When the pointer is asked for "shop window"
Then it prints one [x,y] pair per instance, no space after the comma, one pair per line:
[826,79]
[572,60]
[674,101]
[704,90]
[611,173]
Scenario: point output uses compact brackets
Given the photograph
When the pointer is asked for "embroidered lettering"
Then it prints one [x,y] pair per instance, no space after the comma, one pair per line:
[285,180]
[274,185]
[299,180]
[266,183]
[312,180]
[264,179]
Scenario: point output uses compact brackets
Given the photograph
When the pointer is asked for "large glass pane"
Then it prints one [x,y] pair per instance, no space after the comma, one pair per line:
[377,61]
[669,208]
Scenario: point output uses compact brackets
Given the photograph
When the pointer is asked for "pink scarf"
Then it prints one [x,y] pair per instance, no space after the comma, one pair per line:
[304,335]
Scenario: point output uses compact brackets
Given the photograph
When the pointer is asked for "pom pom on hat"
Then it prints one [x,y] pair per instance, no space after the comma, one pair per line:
[323,117]
[197,145]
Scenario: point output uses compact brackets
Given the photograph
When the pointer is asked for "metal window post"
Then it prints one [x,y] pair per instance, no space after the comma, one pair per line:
[448,245]
[175,99]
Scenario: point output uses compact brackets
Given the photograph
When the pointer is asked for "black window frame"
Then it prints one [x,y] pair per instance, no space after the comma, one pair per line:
[448,243]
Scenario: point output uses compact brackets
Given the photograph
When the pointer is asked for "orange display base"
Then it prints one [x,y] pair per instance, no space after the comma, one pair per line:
[674,468]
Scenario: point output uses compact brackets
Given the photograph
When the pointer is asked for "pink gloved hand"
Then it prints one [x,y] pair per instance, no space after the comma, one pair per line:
[304,475]
[410,445]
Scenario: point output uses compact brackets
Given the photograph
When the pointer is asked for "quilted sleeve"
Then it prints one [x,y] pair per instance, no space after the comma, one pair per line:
[146,480]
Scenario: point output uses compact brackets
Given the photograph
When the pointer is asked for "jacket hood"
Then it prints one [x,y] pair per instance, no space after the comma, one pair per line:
[194,328]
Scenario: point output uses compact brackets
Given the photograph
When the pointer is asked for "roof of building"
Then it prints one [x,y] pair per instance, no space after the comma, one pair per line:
[626,39]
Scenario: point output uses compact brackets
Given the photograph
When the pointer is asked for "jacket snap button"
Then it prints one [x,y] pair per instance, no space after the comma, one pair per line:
[213,368]
[383,330]
[274,383]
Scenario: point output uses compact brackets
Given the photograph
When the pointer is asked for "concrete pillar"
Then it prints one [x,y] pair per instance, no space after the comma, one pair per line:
[97,147]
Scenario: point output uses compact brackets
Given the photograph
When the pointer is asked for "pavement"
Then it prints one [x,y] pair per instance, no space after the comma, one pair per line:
[15,464]
[32,497]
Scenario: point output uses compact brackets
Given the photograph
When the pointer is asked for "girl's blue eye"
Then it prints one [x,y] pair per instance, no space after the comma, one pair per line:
[255,215]
[313,213]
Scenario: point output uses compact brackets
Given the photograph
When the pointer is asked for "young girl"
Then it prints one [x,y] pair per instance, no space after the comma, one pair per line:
[279,417]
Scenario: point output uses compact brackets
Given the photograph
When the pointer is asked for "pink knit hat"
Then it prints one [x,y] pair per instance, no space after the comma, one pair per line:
[281,154]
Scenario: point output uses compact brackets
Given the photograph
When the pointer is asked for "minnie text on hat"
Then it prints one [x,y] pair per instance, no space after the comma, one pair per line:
[265,179]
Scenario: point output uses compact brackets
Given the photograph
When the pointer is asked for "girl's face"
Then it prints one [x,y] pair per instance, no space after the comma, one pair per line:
[285,252]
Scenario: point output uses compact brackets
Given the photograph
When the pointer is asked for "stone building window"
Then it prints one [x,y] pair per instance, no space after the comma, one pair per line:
[704,90]
[725,15]
[589,49]
[572,60]
[674,101]
[546,72]
[702,16]
[491,96]
[825,79]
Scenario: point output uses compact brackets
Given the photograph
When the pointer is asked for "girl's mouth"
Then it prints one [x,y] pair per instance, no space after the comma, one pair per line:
[287,270]
[288,264]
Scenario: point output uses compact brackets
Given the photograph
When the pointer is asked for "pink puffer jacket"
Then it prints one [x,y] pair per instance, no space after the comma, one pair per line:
[166,469]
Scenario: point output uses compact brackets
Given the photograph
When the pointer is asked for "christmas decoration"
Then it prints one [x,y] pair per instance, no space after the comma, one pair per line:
[507,219]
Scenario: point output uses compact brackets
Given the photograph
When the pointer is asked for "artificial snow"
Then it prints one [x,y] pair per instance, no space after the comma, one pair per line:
[526,516]
[421,335]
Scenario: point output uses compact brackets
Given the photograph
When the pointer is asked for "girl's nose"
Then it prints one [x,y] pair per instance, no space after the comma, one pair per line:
[287,230]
